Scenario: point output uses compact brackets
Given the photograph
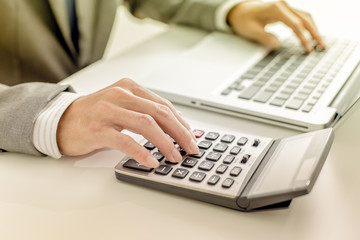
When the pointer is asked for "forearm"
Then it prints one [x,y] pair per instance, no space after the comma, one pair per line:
[198,13]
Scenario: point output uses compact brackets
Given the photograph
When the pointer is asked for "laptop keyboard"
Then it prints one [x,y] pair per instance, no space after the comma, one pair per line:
[289,78]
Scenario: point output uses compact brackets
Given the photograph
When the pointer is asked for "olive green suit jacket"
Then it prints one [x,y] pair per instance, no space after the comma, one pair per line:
[36,51]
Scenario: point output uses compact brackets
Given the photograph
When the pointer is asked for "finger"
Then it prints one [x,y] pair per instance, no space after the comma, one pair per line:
[129,146]
[146,126]
[167,121]
[142,92]
[310,26]
[283,14]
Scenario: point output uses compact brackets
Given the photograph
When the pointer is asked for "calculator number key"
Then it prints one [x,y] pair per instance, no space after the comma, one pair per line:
[204,144]
[213,156]
[228,159]
[227,183]
[235,150]
[220,147]
[222,168]
[198,155]
[227,138]
[163,170]
[189,162]
[235,171]
[212,136]
[206,165]
[132,164]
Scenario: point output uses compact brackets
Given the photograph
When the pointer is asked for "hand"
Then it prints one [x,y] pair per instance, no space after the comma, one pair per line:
[249,19]
[96,121]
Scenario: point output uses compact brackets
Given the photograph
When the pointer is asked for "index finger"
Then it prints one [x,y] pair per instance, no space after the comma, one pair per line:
[142,92]
[310,26]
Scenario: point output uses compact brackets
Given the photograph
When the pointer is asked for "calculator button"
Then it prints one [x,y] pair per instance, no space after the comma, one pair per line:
[213,156]
[242,141]
[206,165]
[172,163]
[228,138]
[131,163]
[235,150]
[220,147]
[189,162]
[158,155]
[180,173]
[228,159]
[163,170]
[197,176]
[213,179]
[205,144]
[198,155]
[212,136]
[235,171]
[149,145]
[222,168]
[198,133]
[228,182]
[256,142]
[245,158]
[181,151]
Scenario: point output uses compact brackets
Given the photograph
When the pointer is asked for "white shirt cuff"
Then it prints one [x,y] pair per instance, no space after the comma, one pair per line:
[221,15]
[45,127]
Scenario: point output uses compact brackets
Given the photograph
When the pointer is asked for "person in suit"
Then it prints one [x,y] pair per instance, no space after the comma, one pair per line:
[44,41]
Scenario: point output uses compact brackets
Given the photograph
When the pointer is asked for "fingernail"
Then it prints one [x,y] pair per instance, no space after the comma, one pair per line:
[193,147]
[176,155]
[152,162]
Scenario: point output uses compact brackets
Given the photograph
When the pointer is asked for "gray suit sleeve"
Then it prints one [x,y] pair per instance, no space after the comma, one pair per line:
[19,108]
[197,13]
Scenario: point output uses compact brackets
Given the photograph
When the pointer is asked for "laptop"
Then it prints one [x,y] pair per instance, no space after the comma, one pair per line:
[230,75]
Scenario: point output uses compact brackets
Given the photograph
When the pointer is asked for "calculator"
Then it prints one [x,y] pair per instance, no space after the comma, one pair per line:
[235,170]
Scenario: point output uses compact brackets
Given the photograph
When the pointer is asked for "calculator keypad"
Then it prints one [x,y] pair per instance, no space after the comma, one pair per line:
[221,166]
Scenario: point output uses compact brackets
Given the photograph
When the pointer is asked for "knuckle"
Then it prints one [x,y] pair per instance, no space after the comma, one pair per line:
[117,92]
[277,6]
[146,120]
[127,81]
[123,142]
[166,102]
[164,111]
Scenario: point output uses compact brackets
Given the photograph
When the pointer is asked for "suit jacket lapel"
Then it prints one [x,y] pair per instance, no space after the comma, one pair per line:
[58,8]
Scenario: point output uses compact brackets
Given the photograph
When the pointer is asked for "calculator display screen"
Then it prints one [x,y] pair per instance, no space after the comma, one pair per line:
[291,166]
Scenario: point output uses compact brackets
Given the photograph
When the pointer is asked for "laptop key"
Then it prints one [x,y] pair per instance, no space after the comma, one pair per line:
[294,104]
[249,92]
[263,97]
[277,102]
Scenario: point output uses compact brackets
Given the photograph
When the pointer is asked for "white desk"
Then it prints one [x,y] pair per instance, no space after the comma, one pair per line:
[80,198]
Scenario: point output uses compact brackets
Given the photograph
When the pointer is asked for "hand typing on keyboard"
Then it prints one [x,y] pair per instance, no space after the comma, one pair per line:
[96,121]
[249,18]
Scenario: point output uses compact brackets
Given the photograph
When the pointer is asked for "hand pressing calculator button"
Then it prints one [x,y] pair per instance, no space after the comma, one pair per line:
[229,172]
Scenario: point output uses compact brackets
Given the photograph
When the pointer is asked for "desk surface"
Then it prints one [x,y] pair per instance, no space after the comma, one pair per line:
[80,198]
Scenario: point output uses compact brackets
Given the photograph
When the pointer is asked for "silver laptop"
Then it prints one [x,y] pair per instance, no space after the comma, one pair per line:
[224,73]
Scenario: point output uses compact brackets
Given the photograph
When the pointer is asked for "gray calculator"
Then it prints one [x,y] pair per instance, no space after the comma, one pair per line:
[238,171]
